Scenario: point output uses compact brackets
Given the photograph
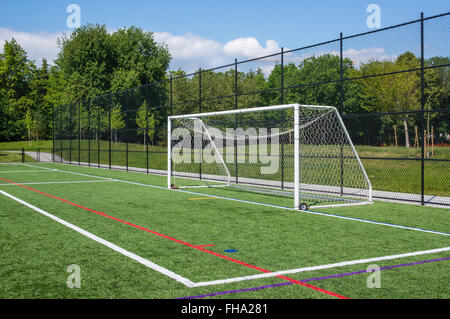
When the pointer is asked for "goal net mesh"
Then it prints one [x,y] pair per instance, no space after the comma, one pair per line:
[255,152]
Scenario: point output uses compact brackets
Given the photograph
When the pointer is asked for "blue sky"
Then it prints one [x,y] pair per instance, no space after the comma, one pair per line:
[204,33]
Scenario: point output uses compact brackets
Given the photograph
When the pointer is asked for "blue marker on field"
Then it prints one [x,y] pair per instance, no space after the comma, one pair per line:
[231,250]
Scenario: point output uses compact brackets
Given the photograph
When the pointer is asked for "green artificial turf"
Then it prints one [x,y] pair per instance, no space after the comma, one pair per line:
[36,250]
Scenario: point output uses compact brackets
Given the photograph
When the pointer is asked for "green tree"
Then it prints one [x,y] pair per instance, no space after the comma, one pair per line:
[291,77]
[42,115]
[325,69]
[145,120]
[136,50]
[399,92]
[251,81]
[16,74]
[441,79]
[436,92]
[217,88]
[93,61]
[314,81]
[117,120]
[87,59]
[184,93]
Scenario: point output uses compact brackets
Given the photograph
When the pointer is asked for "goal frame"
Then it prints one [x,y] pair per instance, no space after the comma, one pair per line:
[296,108]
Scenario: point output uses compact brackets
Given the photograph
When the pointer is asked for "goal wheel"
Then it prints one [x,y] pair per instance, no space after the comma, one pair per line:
[304,206]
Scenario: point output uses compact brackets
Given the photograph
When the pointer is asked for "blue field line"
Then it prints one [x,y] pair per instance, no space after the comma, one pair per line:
[263,204]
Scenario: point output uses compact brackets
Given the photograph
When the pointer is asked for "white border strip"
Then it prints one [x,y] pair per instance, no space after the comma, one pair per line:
[106,243]
[321,267]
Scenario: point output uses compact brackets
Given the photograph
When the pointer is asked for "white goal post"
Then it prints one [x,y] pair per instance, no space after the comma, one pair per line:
[293,150]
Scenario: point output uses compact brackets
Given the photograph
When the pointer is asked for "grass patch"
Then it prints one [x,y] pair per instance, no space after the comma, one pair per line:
[10,157]
[29,145]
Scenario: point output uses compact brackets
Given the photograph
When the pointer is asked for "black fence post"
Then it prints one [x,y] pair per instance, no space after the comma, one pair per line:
[79,132]
[146,127]
[200,111]
[422,113]
[282,128]
[61,135]
[98,134]
[23,155]
[126,151]
[53,133]
[341,106]
[110,131]
[89,130]
[282,76]
[236,169]
[71,133]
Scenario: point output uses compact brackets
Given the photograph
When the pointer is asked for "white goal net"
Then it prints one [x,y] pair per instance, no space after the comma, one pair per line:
[298,151]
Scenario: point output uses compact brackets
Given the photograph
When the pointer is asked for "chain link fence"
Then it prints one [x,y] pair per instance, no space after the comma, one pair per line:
[390,85]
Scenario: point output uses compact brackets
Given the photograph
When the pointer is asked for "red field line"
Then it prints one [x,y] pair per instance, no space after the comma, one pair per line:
[181,242]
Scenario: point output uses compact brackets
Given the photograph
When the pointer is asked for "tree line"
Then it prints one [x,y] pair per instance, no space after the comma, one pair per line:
[93,62]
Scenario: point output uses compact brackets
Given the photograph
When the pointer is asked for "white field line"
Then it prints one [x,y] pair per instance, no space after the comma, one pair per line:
[63,182]
[261,204]
[321,267]
[39,167]
[106,243]
[24,171]
[80,174]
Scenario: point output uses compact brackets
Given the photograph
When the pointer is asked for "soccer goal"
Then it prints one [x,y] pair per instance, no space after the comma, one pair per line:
[300,151]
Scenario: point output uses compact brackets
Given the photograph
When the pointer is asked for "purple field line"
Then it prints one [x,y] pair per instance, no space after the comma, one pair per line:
[239,290]
[311,279]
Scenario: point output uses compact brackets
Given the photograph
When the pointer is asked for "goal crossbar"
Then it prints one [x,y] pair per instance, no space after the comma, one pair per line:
[247,110]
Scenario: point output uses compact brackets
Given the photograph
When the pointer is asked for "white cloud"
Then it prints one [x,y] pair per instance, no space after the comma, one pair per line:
[37,45]
[189,46]
[366,55]
[190,51]
[250,48]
